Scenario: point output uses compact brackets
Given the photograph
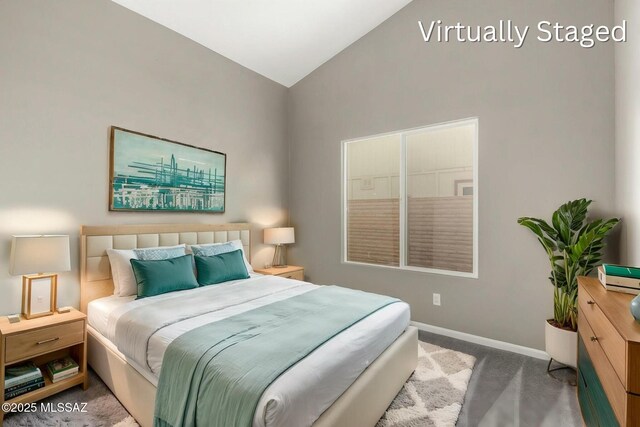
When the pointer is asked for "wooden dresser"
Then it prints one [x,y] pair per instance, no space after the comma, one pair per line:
[608,357]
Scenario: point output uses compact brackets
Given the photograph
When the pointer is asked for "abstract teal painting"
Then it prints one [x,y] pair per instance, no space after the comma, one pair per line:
[148,173]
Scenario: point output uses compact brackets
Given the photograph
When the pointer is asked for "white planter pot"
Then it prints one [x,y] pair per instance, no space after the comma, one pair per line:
[561,345]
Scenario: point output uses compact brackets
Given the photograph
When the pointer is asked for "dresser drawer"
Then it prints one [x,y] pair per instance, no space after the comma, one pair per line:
[594,404]
[32,343]
[611,385]
[589,414]
[297,275]
[613,345]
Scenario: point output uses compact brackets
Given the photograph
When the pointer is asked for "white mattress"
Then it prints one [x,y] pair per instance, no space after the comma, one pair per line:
[300,395]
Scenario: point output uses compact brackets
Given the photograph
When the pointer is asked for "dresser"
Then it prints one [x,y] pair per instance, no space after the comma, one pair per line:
[608,357]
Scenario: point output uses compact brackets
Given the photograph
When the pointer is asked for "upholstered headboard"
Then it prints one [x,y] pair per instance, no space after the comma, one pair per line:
[95,270]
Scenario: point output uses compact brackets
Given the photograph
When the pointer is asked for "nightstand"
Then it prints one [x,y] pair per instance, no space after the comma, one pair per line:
[40,341]
[289,272]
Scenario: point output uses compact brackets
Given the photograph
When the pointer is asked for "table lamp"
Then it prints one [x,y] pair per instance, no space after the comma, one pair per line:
[279,236]
[38,259]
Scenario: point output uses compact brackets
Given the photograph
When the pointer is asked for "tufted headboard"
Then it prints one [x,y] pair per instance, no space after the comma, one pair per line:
[95,270]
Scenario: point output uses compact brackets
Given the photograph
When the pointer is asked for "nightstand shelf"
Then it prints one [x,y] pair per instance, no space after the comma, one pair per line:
[289,272]
[42,340]
[49,388]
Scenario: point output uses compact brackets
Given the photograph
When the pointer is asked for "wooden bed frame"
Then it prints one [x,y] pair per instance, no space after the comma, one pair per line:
[362,404]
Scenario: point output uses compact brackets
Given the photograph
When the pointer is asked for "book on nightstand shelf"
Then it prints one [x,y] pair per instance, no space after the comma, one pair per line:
[62,368]
[619,283]
[21,379]
[22,390]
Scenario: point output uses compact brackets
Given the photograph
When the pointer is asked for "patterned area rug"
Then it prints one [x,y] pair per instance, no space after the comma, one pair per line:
[433,395]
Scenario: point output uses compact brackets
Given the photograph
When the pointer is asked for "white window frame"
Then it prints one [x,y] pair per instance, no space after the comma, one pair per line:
[402,196]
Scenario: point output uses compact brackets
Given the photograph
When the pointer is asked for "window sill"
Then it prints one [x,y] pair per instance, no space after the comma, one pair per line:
[473,275]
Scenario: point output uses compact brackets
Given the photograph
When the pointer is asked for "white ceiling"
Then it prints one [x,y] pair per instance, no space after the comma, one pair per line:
[283,40]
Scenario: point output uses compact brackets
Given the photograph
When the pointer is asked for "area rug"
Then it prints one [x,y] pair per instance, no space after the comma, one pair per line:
[434,394]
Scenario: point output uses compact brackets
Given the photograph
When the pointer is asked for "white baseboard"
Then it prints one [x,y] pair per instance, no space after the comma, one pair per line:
[500,345]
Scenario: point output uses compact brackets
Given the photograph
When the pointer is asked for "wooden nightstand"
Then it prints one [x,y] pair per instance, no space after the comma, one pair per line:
[40,341]
[290,272]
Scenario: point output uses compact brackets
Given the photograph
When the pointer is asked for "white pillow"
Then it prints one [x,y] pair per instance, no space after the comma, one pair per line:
[124,281]
[237,244]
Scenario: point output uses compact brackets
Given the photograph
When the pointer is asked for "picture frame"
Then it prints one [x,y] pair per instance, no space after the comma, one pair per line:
[152,174]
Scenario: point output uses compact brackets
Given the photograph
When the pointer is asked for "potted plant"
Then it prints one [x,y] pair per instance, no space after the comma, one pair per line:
[574,246]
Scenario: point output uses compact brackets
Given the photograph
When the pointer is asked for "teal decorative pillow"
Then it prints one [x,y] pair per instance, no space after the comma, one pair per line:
[221,268]
[162,276]
[210,249]
[161,252]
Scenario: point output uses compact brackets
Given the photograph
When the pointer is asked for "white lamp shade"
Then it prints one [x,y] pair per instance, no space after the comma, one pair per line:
[279,236]
[39,254]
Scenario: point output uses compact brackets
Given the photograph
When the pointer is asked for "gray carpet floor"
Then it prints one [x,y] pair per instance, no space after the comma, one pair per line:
[505,390]
[511,390]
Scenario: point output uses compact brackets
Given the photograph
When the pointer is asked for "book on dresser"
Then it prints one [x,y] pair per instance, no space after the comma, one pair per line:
[622,270]
[60,369]
[21,379]
[613,282]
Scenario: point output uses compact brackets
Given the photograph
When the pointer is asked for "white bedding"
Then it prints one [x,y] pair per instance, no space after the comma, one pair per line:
[300,395]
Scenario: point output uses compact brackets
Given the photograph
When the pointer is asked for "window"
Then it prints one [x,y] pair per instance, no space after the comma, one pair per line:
[411,199]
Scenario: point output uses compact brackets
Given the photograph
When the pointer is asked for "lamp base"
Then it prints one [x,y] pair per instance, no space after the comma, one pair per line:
[27,294]
[279,257]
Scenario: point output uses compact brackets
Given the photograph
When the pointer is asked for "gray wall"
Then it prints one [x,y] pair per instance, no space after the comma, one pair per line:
[546,116]
[71,68]
[628,131]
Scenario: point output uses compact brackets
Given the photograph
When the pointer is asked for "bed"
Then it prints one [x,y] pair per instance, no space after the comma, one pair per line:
[348,381]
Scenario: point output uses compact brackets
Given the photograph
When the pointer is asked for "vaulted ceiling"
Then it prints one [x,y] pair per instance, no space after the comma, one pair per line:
[283,40]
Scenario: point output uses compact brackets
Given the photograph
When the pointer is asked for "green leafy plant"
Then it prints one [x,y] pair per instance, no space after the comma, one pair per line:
[574,247]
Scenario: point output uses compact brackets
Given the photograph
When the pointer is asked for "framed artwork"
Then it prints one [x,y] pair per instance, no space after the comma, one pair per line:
[148,173]
[464,187]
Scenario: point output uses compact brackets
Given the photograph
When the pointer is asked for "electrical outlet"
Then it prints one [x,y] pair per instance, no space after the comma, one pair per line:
[436,299]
